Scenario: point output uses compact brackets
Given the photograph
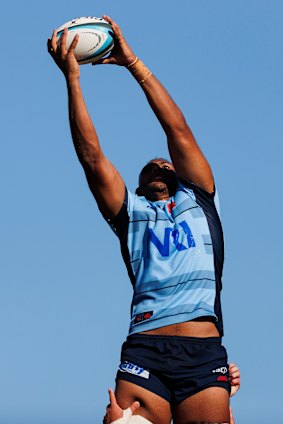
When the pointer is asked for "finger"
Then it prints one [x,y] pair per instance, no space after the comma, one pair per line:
[74,44]
[235,385]
[235,382]
[135,406]
[112,397]
[107,18]
[116,29]
[49,46]
[235,374]
[54,40]
[234,371]
[63,42]
[105,61]
[233,367]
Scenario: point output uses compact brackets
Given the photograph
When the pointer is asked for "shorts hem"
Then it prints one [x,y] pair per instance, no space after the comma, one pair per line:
[207,386]
[183,339]
[139,383]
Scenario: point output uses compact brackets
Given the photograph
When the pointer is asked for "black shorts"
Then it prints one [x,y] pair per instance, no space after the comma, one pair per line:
[174,367]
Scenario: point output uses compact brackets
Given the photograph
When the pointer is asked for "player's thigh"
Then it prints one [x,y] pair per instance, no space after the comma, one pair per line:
[208,406]
[153,407]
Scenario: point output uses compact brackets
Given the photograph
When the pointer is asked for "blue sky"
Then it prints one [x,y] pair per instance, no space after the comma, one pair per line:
[65,295]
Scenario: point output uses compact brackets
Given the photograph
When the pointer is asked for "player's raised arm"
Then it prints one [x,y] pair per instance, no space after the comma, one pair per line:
[187,157]
[104,180]
[189,161]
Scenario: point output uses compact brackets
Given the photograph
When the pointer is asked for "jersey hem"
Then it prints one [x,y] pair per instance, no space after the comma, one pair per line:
[163,322]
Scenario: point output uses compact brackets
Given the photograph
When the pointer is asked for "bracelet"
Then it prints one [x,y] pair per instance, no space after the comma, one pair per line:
[139,71]
[147,76]
[133,63]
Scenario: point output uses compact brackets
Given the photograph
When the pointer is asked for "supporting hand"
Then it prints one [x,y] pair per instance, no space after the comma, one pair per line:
[234,378]
[114,412]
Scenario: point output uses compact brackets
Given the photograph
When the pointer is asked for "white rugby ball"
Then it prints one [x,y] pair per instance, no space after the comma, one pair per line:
[96,38]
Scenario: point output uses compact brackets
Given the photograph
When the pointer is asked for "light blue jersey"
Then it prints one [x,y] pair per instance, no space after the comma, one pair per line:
[173,251]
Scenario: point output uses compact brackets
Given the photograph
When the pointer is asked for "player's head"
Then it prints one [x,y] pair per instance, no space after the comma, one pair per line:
[157,180]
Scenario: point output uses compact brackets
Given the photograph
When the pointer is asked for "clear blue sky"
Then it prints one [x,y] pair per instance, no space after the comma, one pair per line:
[65,296]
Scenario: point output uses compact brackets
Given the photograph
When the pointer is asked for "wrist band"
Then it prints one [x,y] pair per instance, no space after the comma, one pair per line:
[139,70]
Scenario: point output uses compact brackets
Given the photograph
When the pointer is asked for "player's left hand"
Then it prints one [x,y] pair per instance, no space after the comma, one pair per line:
[114,412]
[234,378]
[122,53]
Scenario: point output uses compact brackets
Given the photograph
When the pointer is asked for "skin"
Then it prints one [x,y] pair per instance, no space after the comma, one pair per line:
[235,380]
[108,188]
[158,180]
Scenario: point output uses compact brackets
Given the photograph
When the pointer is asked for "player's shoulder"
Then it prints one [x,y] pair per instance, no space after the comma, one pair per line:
[136,202]
[201,196]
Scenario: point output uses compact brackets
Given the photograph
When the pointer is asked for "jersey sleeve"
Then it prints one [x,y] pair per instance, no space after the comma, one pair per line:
[120,223]
[216,201]
[207,198]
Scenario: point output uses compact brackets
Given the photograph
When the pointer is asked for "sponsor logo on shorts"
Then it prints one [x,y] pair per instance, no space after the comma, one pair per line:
[222,370]
[126,366]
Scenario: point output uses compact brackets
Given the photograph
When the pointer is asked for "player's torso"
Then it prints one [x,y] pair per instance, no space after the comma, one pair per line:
[171,260]
[169,242]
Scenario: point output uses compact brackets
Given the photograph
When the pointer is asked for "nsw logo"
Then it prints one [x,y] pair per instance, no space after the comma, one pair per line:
[126,366]
[173,236]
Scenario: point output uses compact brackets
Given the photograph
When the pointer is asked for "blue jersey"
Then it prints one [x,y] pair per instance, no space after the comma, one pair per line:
[174,253]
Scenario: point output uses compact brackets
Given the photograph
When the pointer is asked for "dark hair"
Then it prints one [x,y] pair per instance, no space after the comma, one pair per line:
[159,158]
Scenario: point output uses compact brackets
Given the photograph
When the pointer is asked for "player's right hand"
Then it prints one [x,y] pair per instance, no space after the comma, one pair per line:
[121,53]
[65,59]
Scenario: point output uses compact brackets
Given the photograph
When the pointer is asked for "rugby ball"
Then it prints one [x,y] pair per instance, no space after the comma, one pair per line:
[95,41]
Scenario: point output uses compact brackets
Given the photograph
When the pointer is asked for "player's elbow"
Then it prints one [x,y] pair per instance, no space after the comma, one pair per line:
[177,125]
